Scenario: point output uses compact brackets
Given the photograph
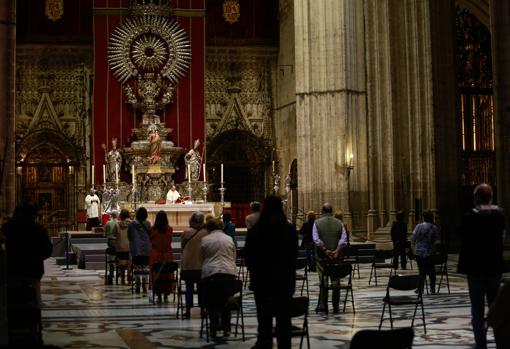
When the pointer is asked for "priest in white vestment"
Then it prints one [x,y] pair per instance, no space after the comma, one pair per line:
[172,195]
[92,203]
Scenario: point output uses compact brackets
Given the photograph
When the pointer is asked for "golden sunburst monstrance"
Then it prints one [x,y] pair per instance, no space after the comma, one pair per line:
[149,44]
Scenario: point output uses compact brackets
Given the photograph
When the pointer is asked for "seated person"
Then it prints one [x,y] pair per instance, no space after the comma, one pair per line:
[172,195]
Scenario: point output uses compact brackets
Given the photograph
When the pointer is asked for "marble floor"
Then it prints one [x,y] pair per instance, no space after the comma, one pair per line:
[81,312]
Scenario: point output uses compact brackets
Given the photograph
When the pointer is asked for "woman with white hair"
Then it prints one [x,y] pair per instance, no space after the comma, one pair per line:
[191,258]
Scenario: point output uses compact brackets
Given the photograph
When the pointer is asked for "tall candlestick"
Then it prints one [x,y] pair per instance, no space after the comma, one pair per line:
[273,165]
[189,173]
[92,175]
[203,169]
[133,175]
[221,173]
[117,174]
[104,173]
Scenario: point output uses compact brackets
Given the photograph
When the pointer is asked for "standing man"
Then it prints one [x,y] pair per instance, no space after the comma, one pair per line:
[92,203]
[252,218]
[27,246]
[399,238]
[109,228]
[481,256]
[329,237]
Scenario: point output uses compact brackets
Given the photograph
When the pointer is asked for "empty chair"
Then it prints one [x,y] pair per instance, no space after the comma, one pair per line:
[299,308]
[404,283]
[350,256]
[221,295]
[440,262]
[401,338]
[332,280]
[379,262]
[302,265]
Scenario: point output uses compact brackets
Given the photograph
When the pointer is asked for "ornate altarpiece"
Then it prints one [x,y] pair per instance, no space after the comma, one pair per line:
[52,127]
[239,118]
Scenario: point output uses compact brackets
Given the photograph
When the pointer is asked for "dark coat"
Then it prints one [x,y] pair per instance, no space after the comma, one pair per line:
[271,254]
[27,246]
[481,250]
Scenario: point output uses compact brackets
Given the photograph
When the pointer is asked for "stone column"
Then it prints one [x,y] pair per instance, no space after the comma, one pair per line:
[330,97]
[7,88]
[500,32]
[7,140]
[401,97]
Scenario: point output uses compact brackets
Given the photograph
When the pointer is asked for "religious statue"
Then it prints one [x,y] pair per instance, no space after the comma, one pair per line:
[154,145]
[113,162]
[193,160]
[111,200]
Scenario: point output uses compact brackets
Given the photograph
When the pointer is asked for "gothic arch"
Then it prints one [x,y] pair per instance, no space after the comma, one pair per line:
[479,8]
[245,158]
[45,162]
[70,152]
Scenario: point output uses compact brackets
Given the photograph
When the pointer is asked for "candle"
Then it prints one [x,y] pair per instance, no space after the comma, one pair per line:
[221,173]
[189,173]
[117,174]
[104,173]
[133,175]
[273,165]
[203,169]
[92,175]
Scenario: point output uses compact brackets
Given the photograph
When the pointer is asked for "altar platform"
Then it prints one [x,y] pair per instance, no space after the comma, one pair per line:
[179,214]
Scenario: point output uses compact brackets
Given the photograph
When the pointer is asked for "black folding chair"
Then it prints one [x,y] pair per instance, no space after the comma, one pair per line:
[139,270]
[440,262]
[401,338]
[164,277]
[379,262]
[302,264]
[350,256]
[181,292]
[299,308]
[404,283]
[221,294]
[332,280]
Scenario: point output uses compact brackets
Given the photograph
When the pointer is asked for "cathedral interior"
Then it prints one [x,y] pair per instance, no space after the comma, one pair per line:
[375,106]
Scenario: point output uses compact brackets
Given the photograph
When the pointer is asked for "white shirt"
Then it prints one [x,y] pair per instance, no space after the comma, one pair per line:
[92,202]
[318,242]
[172,196]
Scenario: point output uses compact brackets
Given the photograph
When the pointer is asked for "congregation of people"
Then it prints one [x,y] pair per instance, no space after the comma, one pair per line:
[209,252]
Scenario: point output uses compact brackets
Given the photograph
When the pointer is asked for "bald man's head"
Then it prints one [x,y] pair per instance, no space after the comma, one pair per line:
[327,208]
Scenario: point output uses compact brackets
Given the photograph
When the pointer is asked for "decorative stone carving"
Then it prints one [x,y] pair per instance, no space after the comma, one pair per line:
[238,89]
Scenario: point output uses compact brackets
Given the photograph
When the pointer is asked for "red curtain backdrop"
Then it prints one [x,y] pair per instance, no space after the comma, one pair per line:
[113,118]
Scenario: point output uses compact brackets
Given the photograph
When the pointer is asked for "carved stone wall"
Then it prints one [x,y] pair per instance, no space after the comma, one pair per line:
[53,101]
[239,90]
[239,94]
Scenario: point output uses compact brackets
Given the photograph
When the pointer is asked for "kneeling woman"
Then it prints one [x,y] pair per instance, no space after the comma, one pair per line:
[219,253]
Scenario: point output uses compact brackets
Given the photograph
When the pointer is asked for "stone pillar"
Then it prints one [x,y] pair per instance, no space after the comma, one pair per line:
[7,88]
[401,126]
[330,94]
[500,31]
[7,137]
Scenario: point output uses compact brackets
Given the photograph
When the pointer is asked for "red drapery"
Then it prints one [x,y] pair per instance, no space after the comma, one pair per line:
[113,118]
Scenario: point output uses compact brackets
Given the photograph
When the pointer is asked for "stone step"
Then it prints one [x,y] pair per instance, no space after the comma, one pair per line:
[92,258]
[62,260]
[94,265]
